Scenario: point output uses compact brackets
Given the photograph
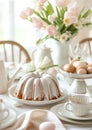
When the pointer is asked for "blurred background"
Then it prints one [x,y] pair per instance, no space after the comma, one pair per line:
[13,27]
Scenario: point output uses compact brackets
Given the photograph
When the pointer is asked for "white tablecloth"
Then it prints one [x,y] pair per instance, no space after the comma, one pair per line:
[23,108]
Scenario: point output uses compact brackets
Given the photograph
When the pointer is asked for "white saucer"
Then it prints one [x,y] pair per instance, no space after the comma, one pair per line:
[33,103]
[9,120]
[61,115]
[71,115]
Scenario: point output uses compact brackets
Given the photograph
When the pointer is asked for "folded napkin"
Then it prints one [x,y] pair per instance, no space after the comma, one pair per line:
[31,120]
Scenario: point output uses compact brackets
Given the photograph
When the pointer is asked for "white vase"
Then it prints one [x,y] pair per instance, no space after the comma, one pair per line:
[59,51]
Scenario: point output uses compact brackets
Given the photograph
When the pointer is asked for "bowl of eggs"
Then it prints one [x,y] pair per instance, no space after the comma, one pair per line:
[77,69]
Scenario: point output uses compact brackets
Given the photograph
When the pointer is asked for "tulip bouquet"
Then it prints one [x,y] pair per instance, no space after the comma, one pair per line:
[57,20]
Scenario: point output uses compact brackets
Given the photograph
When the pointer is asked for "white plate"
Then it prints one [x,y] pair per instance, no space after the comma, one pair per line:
[33,103]
[70,115]
[56,109]
[9,120]
[50,117]
[74,75]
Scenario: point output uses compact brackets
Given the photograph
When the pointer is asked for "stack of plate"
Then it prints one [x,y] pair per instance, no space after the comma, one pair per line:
[69,116]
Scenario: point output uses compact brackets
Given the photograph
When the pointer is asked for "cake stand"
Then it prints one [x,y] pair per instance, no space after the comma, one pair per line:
[78,85]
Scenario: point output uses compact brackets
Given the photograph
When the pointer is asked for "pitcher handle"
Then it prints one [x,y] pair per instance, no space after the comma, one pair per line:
[14,75]
[33,52]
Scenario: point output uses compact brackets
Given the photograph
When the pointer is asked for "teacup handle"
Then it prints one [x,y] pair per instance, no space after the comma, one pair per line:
[67,106]
[5,110]
[90,106]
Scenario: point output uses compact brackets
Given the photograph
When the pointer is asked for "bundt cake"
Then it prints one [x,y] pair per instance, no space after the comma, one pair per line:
[37,87]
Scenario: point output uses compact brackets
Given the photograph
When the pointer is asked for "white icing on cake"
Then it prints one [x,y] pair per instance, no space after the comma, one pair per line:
[35,86]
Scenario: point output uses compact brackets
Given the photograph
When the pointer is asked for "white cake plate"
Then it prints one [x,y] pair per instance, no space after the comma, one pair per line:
[78,85]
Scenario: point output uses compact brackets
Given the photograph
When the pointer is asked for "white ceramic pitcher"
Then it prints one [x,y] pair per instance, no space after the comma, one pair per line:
[4,82]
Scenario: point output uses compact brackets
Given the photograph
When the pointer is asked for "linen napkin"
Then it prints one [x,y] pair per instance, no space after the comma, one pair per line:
[32,119]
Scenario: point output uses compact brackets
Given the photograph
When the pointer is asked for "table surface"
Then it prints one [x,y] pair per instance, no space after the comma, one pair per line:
[22,108]
[69,126]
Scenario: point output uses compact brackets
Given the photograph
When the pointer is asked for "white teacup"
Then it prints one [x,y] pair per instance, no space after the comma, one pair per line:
[80,104]
[4,111]
[80,98]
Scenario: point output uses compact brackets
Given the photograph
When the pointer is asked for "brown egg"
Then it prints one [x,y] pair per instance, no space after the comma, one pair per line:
[80,64]
[89,65]
[81,71]
[74,60]
[81,67]
[47,126]
[89,69]
[69,68]
[75,63]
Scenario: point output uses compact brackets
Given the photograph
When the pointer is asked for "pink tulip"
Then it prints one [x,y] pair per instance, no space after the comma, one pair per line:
[62,3]
[29,11]
[40,4]
[37,22]
[69,19]
[51,30]
[74,10]
[23,15]
[42,1]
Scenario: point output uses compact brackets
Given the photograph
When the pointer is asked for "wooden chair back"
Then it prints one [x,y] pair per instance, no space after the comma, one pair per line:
[88,43]
[12,51]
